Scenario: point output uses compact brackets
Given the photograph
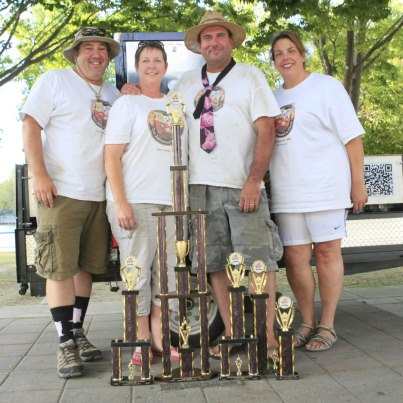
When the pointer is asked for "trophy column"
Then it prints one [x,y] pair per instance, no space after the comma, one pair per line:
[200,221]
[285,315]
[164,296]
[258,279]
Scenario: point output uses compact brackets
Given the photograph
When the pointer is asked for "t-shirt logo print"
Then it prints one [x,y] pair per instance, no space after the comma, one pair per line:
[99,112]
[160,125]
[217,97]
[284,122]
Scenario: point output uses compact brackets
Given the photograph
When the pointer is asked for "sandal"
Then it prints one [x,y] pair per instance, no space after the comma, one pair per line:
[272,353]
[300,339]
[325,342]
[215,355]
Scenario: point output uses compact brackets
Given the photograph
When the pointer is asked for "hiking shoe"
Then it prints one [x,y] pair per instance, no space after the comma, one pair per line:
[68,361]
[86,350]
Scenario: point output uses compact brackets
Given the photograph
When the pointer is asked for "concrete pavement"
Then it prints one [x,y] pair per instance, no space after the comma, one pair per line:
[366,364]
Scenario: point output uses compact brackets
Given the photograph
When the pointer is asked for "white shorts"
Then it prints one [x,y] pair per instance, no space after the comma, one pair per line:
[316,226]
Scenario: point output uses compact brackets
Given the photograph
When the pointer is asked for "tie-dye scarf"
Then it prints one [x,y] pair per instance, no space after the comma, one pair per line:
[204,109]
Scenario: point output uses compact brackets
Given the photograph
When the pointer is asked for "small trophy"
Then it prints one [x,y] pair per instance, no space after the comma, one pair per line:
[258,281]
[236,272]
[130,274]
[182,250]
[285,312]
[235,269]
[186,353]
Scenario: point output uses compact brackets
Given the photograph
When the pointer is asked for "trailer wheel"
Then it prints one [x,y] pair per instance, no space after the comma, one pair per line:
[216,325]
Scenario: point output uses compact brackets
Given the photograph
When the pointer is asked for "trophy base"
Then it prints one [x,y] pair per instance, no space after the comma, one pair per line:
[287,377]
[176,376]
[234,375]
[137,380]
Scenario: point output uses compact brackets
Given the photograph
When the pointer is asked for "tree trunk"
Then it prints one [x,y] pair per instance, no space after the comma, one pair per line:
[356,83]
[348,73]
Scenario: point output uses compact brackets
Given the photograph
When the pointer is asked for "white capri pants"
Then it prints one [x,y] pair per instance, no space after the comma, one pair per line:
[142,244]
[316,226]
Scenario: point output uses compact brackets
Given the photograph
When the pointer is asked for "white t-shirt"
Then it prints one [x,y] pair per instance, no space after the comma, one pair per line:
[309,169]
[144,125]
[240,98]
[62,104]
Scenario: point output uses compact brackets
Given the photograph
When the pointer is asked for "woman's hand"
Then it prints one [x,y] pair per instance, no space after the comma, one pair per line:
[126,218]
[359,196]
[130,89]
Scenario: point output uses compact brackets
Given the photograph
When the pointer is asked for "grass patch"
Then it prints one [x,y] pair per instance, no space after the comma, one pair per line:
[7,259]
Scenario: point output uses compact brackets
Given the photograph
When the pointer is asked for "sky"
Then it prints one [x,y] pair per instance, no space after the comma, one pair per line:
[11,95]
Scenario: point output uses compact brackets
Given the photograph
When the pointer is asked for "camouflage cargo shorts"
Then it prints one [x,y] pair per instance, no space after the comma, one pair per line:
[228,230]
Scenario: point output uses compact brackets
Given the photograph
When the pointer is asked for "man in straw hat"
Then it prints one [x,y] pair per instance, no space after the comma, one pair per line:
[70,106]
[230,111]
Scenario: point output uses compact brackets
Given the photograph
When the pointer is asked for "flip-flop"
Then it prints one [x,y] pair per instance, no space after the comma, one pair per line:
[137,359]
[301,339]
[326,342]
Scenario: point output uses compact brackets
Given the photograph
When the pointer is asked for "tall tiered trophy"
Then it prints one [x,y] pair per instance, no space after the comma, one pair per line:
[236,271]
[285,312]
[180,211]
[130,274]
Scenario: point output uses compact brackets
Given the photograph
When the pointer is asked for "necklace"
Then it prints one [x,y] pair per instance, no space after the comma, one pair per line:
[98,105]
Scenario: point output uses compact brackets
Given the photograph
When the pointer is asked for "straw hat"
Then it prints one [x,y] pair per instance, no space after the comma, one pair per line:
[89,34]
[211,19]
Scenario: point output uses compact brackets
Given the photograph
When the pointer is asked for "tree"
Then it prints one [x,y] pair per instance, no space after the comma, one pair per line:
[41,44]
[43,27]
[345,33]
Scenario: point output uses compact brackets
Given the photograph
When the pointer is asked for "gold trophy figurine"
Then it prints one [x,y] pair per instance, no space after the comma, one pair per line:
[182,249]
[130,273]
[238,364]
[235,269]
[176,108]
[184,332]
[259,276]
[285,313]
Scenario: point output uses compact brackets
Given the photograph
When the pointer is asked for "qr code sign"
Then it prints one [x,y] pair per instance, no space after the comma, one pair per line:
[379,179]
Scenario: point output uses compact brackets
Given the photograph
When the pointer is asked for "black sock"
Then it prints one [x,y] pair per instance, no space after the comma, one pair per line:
[63,318]
[79,311]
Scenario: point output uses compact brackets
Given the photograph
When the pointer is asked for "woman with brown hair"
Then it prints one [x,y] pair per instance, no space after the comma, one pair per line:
[316,174]
[137,152]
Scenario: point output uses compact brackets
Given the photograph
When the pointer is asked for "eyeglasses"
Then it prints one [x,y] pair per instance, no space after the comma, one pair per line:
[152,44]
[90,31]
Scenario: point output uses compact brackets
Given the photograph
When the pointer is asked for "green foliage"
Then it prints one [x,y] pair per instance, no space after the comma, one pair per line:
[322,24]
[7,196]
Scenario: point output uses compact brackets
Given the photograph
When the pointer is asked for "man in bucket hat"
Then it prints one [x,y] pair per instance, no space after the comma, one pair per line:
[71,107]
[230,111]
